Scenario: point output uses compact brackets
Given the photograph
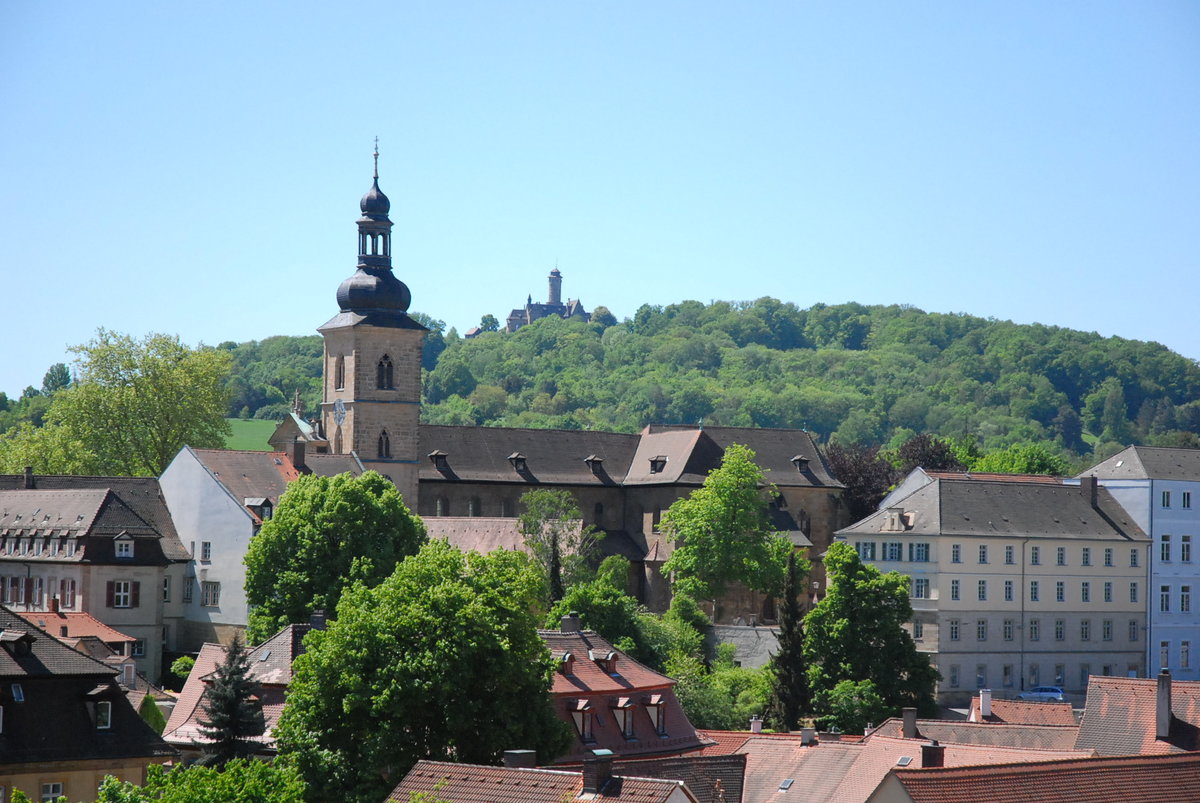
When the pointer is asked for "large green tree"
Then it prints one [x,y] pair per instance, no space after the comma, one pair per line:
[1024,458]
[856,632]
[133,405]
[241,780]
[232,712]
[442,661]
[326,533]
[723,534]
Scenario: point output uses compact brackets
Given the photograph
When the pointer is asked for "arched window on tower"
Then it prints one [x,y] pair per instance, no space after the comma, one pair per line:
[339,372]
[383,374]
[385,445]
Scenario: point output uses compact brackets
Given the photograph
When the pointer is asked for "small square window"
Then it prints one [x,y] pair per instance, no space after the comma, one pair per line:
[139,648]
[125,548]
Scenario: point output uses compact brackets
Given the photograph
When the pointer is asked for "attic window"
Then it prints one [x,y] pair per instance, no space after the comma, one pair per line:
[18,693]
[658,463]
[786,784]
[125,548]
[800,462]
[596,464]
[103,715]
[623,712]
[894,520]
[518,461]
[439,459]
[904,761]
[581,715]
[262,658]
[566,664]
[267,510]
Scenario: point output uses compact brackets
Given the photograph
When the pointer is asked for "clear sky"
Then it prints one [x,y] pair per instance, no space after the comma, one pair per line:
[195,168]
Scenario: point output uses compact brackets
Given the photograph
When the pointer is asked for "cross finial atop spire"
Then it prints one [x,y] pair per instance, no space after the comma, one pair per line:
[376,157]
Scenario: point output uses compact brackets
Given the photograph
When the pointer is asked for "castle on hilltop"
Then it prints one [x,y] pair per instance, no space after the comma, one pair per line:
[554,305]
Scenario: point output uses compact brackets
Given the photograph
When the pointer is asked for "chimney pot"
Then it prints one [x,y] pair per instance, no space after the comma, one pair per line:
[909,728]
[985,703]
[1162,707]
[933,754]
[597,770]
[297,454]
[523,759]
[808,736]
[317,619]
[755,724]
[1087,486]
[29,483]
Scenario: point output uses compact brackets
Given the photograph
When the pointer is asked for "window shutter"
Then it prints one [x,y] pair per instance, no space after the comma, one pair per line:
[135,594]
[28,591]
[109,594]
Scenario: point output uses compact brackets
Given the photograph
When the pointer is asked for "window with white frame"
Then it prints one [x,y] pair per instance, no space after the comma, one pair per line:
[1035,556]
[982,590]
[956,553]
[1106,630]
[1008,590]
[1085,591]
[893,550]
[866,550]
[981,628]
[918,630]
[1108,556]
[139,649]
[206,550]
[103,715]
[1009,555]
[52,791]
[581,714]
[1164,653]
[210,594]
[1185,548]
[1133,592]
[122,596]
[66,592]
[1060,556]
[1034,593]
[1133,558]
[188,584]
[1085,630]
[1085,556]
[125,548]
[953,589]
[1108,597]
[1164,548]
[954,629]
[918,553]
[920,588]
[1060,629]
[1035,629]
[1060,591]
[955,675]
[1185,599]
[167,588]
[1009,629]
[624,717]
[983,553]
[1166,498]
[1164,599]
[1134,627]
[1185,654]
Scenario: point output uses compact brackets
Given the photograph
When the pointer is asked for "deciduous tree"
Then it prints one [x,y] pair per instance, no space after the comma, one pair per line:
[326,533]
[866,475]
[553,529]
[857,633]
[441,661]
[241,780]
[722,532]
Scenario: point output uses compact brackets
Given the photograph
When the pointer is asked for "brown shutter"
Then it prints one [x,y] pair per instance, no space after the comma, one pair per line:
[136,594]
[109,593]
[28,591]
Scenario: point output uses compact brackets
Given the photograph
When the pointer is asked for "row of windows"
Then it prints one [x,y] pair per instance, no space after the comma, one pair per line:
[1185,654]
[1185,499]
[34,592]
[893,550]
[920,553]
[921,588]
[43,546]
[1185,599]
[1008,676]
[625,716]
[385,373]
[1165,552]
[1010,626]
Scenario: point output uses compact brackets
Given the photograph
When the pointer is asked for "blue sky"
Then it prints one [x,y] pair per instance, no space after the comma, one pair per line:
[195,168]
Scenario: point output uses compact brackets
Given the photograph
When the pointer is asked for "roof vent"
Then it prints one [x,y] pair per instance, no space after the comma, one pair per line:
[658,463]
[518,461]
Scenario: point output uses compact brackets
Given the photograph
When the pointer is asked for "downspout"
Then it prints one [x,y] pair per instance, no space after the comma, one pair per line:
[1021,594]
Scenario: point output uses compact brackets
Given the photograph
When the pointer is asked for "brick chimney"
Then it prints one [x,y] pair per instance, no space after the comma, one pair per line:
[1162,706]
[1087,486]
[29,484]
[54,605]
[597,770]
[985,703]
[909,727]
[933,754]
[570,623]
[755,724]
[317,619]
[296,454]
[520,759]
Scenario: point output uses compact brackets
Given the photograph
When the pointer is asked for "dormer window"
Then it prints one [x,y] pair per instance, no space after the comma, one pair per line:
[440,460]
[606,661]
[518,461]
[594,463]
[566,664]
[267,510]
[383,374]
[658,464]
[124,547]
[656,708]
[800,462]
[103,715]
[894,520]
[623,712]
[18,693]
[581,715]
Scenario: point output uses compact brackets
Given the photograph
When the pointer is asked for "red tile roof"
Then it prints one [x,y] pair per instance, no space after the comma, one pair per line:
[183,726]
[473,783]
[1124,779]
[78,625]
[1119,717]
[587,676]
[998,734]
[1025,712]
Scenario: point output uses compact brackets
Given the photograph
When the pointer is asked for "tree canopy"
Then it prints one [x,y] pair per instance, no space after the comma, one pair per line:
[241,780]
[856,633]
[325,534]
[553,529]
[442,661]
[723,534]
[133,405]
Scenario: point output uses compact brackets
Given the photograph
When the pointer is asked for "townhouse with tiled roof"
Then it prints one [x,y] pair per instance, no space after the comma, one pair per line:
[64,720]
[612,701]
[270,668]
[1156,485]
[1062,737]
[1020,712]
[100,545]
[218,499]
[1140,715]
[475,783]
[1123,779]
[1015,584]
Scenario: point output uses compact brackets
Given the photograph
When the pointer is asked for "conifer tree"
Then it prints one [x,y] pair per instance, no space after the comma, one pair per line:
[789,693]
[233,713]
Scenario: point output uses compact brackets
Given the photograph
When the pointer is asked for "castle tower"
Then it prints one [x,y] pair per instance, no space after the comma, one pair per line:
[372,375]
[555,287]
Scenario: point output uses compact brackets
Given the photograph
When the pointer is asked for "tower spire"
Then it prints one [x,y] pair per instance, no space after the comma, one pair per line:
[376,176]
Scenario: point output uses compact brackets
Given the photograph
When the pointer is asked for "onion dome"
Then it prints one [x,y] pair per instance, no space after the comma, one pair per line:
[373,290]
[375,204]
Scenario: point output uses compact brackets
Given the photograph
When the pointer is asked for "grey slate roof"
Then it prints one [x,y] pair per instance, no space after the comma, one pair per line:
[980,507]
[249,474]
[140,495]
[993,734]
[1149,462]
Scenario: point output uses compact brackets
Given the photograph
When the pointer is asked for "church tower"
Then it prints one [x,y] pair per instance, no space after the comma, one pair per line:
[372,397]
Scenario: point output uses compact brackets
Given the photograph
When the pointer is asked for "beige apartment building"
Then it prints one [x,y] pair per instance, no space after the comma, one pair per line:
[1015,584]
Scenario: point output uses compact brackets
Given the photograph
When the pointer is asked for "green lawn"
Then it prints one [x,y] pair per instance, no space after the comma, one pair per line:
[250,434]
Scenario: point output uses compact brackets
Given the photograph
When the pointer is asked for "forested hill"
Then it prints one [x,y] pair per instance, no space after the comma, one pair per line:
[862,374]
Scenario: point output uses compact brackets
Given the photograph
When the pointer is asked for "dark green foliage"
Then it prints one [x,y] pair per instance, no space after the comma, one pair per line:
[488,323]
[442,661]
[56,378]
[153,715]
[552,526]
[325,534]
[865,473]
[852,706]
[857,633]
[790,698]
[232,713]
[928,452]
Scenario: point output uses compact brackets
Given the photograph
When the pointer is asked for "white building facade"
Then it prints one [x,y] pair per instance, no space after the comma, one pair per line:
[1015,585]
